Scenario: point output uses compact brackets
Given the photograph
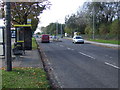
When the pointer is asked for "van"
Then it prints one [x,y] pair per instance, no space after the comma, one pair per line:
[45,38]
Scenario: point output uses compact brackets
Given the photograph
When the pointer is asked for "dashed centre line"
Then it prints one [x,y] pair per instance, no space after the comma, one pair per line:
[86,55]
[68,48]
[72,49]
[61,46]
[112,65]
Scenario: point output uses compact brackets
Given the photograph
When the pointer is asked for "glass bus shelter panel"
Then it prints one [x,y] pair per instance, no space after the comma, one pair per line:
[1,35]
[1,50]
[1,41]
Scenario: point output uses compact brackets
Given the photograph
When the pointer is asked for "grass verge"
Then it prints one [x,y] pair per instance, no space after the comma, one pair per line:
[25,78]
[34,44]
[106,41]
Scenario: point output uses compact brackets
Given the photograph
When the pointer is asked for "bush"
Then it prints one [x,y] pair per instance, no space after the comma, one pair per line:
[115,28]
[88,30]
[103,29]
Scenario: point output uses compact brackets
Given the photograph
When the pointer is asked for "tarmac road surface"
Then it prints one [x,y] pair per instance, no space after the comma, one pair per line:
[82,65]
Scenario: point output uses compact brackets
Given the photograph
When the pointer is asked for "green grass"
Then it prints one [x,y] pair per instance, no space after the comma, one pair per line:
[25,78]
[34,44]
[106,41]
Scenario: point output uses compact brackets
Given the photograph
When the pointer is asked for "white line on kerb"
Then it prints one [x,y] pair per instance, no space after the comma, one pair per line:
[86,55]
[112,65]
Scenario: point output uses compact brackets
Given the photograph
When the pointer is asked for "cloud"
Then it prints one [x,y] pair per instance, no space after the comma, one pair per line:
[58,11]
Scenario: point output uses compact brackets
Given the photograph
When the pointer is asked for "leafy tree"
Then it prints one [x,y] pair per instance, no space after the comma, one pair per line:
[115,27]
[68,30]
[88,30]
[103,29]
[71,22]
[104,15]
[51,28]
[21,11]
[43,30]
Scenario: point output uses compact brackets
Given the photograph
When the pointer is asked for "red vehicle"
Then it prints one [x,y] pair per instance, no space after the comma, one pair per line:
[45,38]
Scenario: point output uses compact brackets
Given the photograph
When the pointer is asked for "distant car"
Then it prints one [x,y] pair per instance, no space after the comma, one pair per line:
[45,38]
[78,39]
[51,37]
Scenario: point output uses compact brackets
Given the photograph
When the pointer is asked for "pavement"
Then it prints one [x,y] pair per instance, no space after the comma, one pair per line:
[103,44]
[30,59]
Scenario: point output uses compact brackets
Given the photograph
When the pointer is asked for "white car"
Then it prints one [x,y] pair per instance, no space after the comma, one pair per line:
[78,39]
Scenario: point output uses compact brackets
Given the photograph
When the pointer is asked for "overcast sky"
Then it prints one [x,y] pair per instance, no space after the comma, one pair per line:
[58,10]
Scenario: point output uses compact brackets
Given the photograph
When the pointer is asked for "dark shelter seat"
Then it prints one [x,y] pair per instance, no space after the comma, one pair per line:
[18,48]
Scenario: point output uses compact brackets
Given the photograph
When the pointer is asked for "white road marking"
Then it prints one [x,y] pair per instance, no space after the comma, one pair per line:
[110,57]
[61,46]
[68,48]
[86,55]
[112,65]
[72,49]
[106,55]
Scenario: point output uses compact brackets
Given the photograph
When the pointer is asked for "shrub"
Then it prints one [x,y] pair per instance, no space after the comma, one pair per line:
[115,28]
[103,29]
[88,30]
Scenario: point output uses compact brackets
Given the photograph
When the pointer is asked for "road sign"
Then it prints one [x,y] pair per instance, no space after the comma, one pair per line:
[28,21]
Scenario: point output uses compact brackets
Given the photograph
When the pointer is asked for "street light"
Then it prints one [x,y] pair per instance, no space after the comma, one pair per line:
[93,22]
[56,28]
[61,31]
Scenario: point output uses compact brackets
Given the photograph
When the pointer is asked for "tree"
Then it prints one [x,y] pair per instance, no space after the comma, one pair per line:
[88,30]
[51,28]
[103,29]
[21,11]
[115,27]
[68,30]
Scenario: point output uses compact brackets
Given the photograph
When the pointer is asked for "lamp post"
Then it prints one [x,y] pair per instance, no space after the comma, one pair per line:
[8,56]
[93,23]
[56,28]
[61,31]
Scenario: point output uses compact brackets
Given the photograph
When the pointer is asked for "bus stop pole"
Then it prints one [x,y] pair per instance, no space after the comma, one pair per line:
[8,56]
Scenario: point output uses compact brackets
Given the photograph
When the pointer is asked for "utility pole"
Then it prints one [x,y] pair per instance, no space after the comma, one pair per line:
[61,31]
[93,22]
[8,56]
[56,28]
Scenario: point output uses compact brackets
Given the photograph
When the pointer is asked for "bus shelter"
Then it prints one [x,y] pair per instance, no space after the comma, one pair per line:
[23,34]
[2,42]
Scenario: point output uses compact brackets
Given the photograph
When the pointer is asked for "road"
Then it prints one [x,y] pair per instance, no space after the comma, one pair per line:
[82,65]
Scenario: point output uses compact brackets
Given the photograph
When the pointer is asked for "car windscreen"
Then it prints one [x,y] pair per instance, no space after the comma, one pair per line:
[78,38]
[45,37]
